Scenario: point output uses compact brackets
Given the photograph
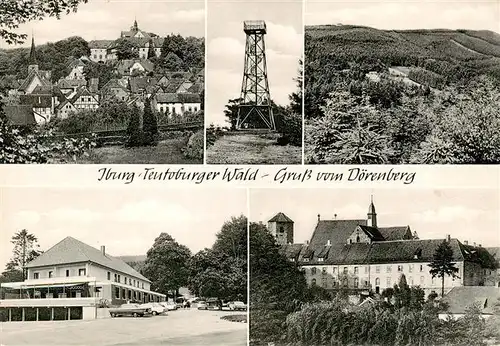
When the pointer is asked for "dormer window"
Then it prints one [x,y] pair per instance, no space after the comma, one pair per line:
[320,259]
[305,259]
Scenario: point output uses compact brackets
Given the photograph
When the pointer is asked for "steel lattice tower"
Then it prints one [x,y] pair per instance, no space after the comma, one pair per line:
[255,96]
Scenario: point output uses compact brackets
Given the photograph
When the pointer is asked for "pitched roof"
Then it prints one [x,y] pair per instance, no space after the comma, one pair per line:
[173,85]
[71,250]
[37,100]
[280,217]
[142,83]
[383,252]
[27,81]
[395,233]
[372,232]
[148,65]
[196,88]
[177,98]
[20,115]
[71,83]
[459,298]
[337,231]
[100,44]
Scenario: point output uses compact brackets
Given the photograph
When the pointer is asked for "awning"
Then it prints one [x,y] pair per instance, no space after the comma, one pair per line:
[69,286]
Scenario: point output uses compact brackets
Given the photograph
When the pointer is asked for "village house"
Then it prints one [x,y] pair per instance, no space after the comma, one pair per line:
[142,86]
[99,50]
[74,279]
[362,257]
[176,104]
[68,86]
[83,99]
[116,88]
[76,70]
[459,299]
[43,100]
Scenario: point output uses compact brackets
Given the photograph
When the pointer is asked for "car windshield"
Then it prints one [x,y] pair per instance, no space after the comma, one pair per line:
[239,303]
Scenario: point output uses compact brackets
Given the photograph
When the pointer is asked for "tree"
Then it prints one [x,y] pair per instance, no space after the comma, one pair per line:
[26,249]
[151,50]
[15,13]
[222,270]
[167,265]
[231,112]
[150,124]
[442,264]
[277,286]
[105,72]
[126,49]
[134,132]
[296,97]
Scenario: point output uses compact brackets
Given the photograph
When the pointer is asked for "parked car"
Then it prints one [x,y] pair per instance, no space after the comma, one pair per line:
[134,310]
[202,305]
[156,308]
[169,306]
[237,306]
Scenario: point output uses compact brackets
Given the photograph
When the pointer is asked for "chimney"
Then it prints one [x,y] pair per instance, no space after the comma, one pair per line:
[474,243]
[328,242]
[466,242]
[319,217]
[335,217]
[448,238]
[479,245]
[307,242]
[103,250]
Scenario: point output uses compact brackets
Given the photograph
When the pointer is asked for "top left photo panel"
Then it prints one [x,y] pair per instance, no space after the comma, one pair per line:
[102,81]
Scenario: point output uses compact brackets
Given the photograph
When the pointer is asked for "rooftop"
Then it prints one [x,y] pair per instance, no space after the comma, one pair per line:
[254,26]
[71,250]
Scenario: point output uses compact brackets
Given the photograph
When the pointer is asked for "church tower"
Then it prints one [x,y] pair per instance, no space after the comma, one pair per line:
[135,27]
[372,215]
[281,228]
[33,65]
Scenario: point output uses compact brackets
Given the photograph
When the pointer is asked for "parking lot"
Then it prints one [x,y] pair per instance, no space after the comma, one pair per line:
[181,327]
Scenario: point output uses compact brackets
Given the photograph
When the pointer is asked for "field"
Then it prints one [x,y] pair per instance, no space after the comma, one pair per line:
[250,148]
[168,151]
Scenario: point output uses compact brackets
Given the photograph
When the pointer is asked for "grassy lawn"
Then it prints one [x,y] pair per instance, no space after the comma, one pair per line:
[249,148]
[167,151]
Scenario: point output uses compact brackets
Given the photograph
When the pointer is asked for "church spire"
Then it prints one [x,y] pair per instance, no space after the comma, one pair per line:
[135,27]
[372,214]
[32,60]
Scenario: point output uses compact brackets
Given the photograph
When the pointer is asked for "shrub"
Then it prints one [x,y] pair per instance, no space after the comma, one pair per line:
[150,125]
[195,146]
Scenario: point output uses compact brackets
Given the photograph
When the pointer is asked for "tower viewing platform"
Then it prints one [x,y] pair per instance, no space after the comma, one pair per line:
[254,27]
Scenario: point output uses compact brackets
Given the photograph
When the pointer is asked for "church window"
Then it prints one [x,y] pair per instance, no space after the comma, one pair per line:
[377,282]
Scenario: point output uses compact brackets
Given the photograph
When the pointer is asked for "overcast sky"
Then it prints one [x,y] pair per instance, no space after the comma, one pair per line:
[105,19]
[125,220]
[407,14]
[226,50]
[468,214]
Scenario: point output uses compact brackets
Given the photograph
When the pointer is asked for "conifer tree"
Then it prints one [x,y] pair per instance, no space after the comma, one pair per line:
[442,264]
[134,128]
[150,124]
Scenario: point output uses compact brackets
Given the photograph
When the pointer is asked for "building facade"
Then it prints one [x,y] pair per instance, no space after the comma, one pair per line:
[74,275]
[364,258]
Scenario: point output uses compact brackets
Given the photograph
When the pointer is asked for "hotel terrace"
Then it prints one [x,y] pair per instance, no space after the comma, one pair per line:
[72,280]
